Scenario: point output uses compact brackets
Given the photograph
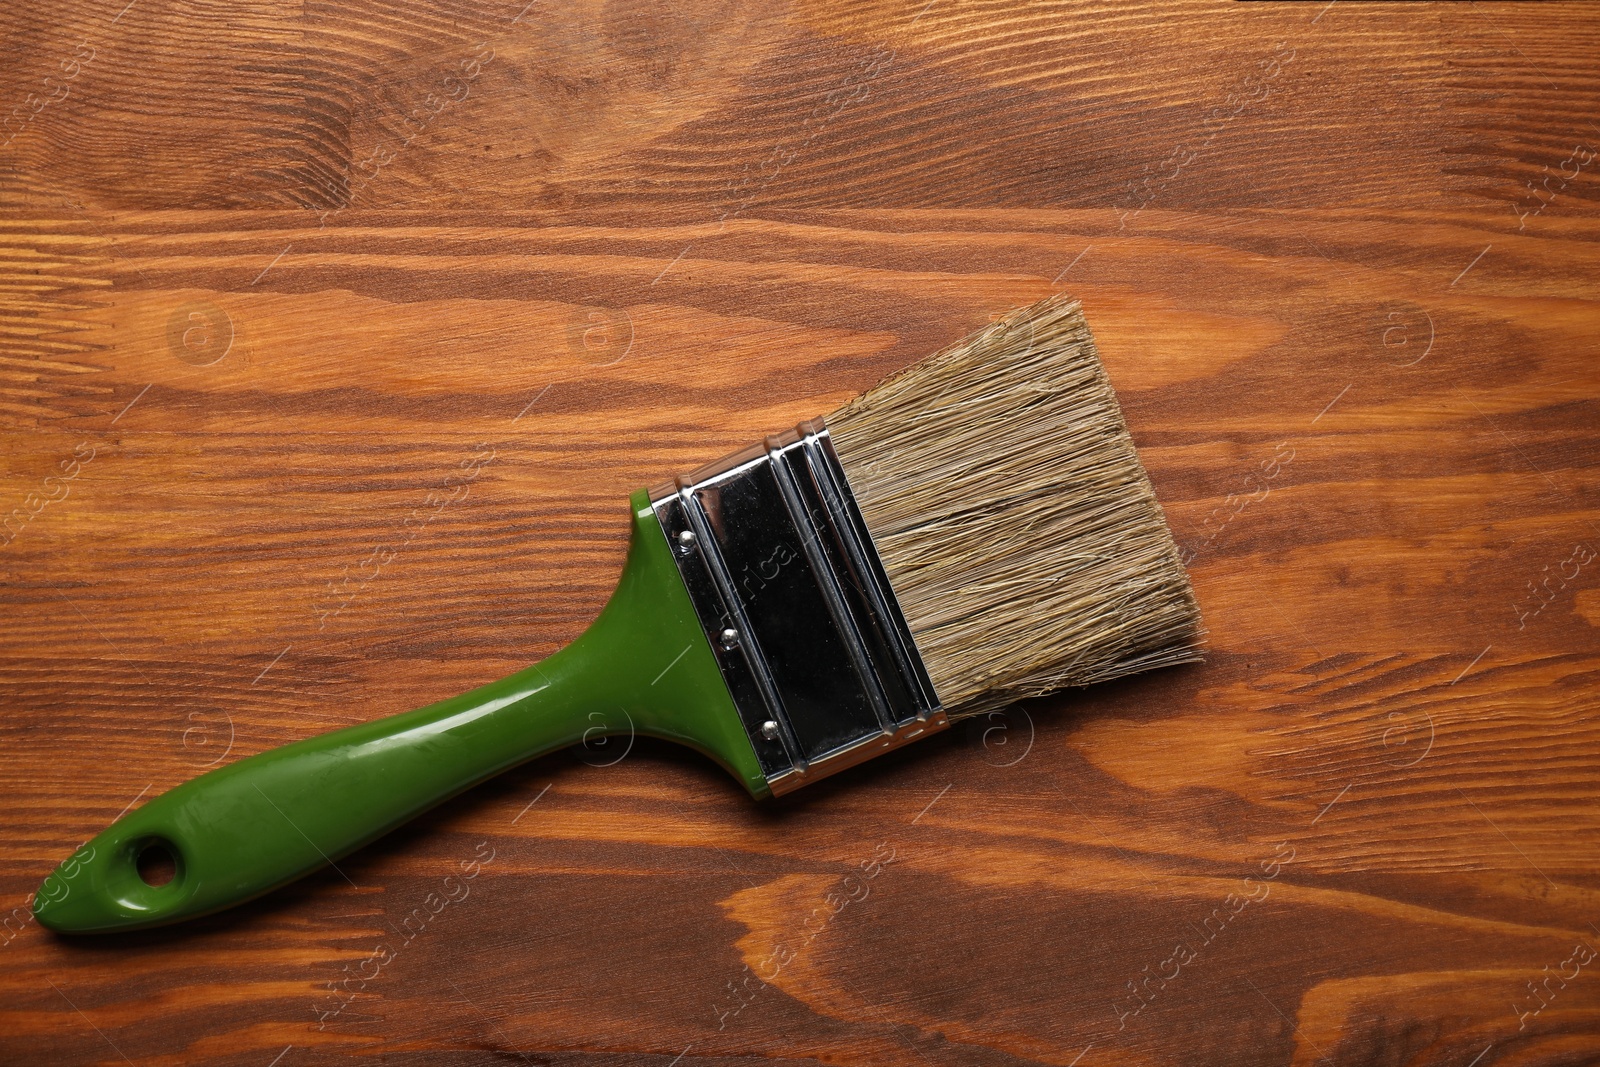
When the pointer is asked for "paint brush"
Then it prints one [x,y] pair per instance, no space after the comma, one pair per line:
[973,531]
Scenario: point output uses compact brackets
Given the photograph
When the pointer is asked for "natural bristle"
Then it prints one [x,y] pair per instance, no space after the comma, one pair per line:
[1018,529]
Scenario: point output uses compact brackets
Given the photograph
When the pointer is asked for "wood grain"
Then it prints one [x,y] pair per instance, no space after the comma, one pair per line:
[270,271]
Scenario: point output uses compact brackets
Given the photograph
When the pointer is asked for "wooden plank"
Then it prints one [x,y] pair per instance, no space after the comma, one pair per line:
[270,273]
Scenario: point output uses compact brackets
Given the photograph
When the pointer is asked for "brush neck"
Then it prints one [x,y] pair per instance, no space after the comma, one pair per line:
[813,648]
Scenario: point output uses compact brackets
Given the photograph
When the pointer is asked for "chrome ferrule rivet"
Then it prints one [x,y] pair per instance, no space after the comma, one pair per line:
[686,538]
[730,638]
[769,730]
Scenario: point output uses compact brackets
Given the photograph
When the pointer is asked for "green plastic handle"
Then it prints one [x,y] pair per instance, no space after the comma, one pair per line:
[242,830]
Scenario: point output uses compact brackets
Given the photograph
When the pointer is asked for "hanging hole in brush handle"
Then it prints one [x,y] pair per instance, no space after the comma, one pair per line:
[157,863]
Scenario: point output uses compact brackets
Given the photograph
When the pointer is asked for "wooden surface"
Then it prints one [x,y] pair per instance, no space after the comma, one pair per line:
[272,271]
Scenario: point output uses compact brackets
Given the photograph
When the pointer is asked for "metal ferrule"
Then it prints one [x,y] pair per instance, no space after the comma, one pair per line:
[795,603]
